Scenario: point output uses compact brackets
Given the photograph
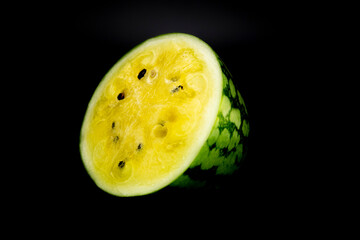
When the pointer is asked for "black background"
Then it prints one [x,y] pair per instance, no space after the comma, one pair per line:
[70,47]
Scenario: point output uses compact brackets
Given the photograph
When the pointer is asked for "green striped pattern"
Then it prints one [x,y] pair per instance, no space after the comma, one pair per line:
[227,143]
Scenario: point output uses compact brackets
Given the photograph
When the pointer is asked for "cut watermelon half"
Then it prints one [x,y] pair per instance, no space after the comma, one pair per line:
[167,107]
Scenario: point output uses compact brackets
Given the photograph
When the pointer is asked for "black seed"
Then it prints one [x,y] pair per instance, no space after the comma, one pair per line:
[141,74]
[121,96]
[116,139]
[121,164]
[113,125]
[139,146]
[177,89]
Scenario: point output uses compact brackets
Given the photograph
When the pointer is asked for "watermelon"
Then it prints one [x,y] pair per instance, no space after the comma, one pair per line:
[166,114]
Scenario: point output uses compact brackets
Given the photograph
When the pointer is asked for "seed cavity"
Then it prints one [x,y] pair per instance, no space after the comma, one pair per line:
[160,131]
[141,74]
[153,73]
[171,79]
[113,125]
[121,164]
[116,139]
[177,89]
[169,114]
[121,96]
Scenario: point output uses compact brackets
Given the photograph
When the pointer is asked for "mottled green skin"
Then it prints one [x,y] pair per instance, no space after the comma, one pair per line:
[227,143]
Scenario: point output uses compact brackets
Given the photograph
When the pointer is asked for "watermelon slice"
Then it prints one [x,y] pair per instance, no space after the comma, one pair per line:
[165,111]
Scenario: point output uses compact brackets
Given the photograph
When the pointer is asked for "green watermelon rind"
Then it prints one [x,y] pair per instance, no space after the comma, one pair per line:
[227,144]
